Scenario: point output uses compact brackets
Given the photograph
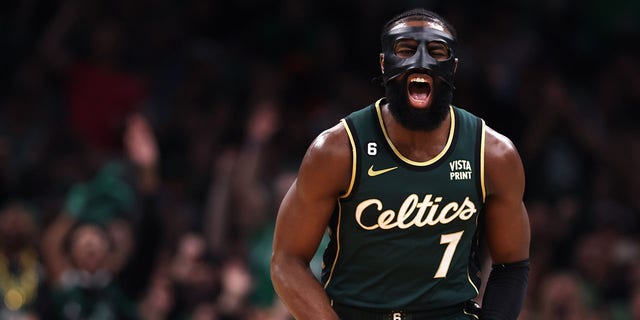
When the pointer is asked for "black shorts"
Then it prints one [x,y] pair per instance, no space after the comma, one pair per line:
[464,311]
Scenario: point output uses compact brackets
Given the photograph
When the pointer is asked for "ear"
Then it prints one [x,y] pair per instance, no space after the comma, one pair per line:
[382,62]
[455,65]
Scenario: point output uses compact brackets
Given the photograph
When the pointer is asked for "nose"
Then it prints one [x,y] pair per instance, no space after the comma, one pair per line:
[423,58]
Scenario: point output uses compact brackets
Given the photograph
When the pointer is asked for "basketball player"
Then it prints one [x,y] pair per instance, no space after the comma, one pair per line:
[406,187]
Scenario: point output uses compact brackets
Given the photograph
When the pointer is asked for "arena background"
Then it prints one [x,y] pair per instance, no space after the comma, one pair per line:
[178,125]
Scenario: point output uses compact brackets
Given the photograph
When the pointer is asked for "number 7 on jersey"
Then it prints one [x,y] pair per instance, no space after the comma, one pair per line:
[451,240]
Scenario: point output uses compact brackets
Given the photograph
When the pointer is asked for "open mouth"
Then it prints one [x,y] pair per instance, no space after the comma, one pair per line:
[419,89]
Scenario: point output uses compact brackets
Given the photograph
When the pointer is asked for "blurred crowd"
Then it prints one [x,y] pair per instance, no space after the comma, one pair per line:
[145,145]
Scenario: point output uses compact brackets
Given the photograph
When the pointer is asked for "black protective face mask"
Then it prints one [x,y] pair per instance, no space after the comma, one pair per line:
[395,66]
[418,119]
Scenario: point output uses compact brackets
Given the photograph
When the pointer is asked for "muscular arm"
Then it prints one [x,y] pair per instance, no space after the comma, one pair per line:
[506,220]
[325,173]
[506,229]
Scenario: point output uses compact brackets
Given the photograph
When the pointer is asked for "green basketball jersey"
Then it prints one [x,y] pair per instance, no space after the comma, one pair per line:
[404,234]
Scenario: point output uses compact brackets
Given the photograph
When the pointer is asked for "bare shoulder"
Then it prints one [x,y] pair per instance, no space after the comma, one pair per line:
[331,143]
[328,160]
[502,162]
[499,147]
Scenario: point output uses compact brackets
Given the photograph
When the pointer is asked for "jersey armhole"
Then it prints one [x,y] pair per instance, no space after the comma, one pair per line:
[353,160]
[483,131]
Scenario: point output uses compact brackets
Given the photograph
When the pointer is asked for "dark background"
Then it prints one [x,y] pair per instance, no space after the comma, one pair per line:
[220,80]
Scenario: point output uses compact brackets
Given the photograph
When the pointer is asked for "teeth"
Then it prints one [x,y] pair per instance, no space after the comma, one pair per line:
[418,79]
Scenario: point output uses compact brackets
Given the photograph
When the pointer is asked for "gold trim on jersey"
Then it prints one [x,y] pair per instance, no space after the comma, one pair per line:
[470,314]
[353,160]
[468,275]
[482,146]
[335,259]
[345,195]
[407,160]
[471,281]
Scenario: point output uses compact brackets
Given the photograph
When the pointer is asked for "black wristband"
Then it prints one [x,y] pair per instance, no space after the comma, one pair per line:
[505,291]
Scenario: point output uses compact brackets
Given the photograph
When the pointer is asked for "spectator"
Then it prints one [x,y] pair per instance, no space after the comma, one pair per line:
[99,88]
[102,247]
[22,285]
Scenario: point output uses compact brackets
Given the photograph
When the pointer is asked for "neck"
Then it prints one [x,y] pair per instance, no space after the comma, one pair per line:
[417,145]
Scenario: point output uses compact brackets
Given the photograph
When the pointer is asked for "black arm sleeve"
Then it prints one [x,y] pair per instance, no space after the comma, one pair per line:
[504,294]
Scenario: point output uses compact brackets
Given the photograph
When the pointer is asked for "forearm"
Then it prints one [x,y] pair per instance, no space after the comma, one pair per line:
[53,251]
[505,291]
[300,290]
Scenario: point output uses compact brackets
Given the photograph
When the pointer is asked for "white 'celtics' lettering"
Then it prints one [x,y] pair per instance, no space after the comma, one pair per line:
[414,212]
[460,170]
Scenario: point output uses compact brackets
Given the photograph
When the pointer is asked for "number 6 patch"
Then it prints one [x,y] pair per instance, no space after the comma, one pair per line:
[372,148]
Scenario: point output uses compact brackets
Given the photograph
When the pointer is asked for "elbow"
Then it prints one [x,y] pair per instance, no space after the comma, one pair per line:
[285,267]
[280,270]
[277,269]
[274,266]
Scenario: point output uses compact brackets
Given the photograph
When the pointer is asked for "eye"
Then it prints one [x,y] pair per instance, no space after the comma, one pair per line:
[405,48]
[439,50]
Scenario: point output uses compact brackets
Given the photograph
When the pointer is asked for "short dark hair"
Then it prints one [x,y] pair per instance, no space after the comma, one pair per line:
[419,14]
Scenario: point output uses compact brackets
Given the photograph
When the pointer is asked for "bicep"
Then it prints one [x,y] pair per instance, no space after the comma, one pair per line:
[307,207]
[300,224]
[506,219]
